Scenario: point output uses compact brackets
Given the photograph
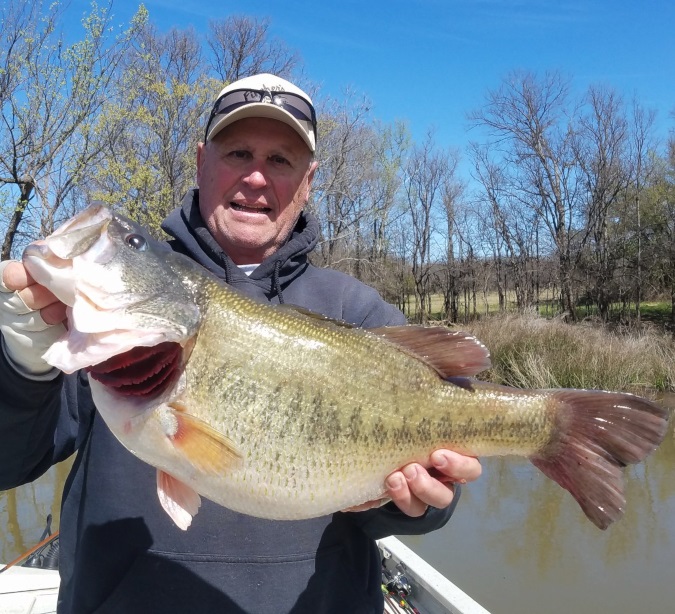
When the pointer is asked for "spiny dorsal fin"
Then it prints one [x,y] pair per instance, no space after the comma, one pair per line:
[451,353]
[313,315]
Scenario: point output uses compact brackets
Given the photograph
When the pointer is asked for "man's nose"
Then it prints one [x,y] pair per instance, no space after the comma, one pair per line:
[255,179]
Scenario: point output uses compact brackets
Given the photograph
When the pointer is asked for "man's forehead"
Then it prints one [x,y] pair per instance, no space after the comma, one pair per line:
[262,132]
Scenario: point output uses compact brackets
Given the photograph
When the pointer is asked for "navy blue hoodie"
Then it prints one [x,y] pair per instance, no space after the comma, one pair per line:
[121,553]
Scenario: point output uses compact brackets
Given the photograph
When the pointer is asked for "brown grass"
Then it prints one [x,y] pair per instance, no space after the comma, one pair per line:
[532,352]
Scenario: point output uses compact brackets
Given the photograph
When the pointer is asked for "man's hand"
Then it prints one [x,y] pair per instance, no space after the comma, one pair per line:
[31,319]
[415,487]
[15,278]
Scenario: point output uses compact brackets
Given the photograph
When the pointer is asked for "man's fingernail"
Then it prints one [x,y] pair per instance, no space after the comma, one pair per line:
[440,461]
[410,472]
[394,482]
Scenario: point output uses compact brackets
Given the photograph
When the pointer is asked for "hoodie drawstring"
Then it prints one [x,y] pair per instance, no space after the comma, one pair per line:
[276,284]
[226,267]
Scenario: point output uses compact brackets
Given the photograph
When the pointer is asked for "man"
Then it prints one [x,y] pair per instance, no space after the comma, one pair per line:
[119,551]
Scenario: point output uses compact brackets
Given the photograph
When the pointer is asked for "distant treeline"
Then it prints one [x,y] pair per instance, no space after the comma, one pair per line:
[568,200]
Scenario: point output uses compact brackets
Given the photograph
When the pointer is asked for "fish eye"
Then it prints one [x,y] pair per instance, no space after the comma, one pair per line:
[136,242]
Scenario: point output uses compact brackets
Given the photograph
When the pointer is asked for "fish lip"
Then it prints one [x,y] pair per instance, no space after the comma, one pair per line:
[96,214]
[38,250]
[71,239]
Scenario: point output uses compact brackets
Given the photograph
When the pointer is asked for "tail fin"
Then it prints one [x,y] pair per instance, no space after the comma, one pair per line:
[598,434]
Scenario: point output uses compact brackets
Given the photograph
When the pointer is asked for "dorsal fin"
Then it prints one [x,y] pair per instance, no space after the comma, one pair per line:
[452,353]
[313,314]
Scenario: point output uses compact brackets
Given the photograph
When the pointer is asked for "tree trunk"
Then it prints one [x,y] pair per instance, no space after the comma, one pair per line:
[15,220]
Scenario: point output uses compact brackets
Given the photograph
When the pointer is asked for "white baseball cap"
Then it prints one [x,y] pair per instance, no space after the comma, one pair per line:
[264,95]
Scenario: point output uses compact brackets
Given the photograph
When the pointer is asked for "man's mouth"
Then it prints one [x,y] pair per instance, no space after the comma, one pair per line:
[249,208]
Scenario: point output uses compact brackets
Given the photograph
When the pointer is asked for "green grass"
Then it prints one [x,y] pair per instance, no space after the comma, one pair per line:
[483,307]
[657,312]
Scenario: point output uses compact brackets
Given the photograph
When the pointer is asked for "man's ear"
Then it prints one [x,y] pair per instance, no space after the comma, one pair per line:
[200,159]
[310,177]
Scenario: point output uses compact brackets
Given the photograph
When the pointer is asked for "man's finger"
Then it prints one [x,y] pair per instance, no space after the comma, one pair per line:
[15,276]
[54,313]
[399,491]
[427,489]
[36,297]
[457,467]
[412,489]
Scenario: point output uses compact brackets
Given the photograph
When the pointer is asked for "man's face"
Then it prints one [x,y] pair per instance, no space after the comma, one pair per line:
[254,179]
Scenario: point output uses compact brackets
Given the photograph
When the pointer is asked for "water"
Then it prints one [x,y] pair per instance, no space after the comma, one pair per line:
[517,543]
[24,511]
[520,544]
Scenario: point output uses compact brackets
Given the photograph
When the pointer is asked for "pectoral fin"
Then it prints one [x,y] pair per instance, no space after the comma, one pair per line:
[205,448]
[178,500]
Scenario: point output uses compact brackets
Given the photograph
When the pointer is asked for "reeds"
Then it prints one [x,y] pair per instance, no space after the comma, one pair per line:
[532,352]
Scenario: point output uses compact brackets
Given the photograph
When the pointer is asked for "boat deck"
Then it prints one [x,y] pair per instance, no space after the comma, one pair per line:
[420,587]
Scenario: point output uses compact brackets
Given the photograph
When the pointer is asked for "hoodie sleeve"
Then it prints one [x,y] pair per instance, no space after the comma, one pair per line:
[39,424]
[364,307]
[389,520]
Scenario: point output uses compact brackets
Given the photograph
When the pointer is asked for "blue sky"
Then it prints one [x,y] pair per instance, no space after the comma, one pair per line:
[429,62]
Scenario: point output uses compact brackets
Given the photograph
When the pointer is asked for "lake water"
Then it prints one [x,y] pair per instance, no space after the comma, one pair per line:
[518,543]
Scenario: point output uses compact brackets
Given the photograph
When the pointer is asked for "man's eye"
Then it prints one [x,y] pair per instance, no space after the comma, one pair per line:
[279,160]
[240,154]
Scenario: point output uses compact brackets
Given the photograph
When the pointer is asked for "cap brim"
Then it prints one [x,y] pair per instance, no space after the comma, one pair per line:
[264,109]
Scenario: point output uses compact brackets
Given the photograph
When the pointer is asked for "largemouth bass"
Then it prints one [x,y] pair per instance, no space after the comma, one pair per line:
[279,413]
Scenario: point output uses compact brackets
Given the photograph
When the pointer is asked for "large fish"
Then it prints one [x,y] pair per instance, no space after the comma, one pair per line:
[279,413]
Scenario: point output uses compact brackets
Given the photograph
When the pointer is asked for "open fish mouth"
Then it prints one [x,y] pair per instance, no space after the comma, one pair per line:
[144,372]
[132,328]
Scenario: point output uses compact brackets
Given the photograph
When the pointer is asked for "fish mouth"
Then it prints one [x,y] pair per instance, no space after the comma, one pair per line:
[144,372]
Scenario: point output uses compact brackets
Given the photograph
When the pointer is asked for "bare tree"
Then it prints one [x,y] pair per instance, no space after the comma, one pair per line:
[669,207]
[601,149]
[355,188]
[345,155]
[529,119]
[452,192]
[509,227]
[641,147]
[425,177]
[242,46]
[52,94]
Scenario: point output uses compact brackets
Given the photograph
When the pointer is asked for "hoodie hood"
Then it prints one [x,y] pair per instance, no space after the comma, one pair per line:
[191,237]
